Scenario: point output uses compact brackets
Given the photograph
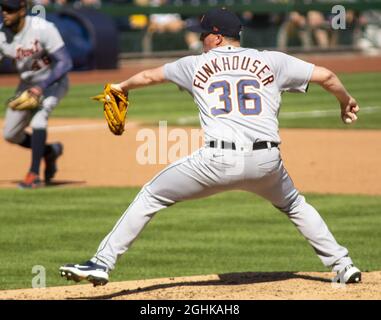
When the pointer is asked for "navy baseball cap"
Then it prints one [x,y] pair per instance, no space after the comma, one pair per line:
[219,21]
[13,4]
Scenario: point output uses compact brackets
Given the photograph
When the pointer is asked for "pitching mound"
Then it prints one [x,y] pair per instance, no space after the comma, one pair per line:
[233,286]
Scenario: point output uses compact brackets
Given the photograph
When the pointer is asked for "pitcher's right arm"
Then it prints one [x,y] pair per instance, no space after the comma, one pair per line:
[330,82]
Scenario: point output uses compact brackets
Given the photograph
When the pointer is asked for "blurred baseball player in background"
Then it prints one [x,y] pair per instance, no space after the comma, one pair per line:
[42,63]
[238,92]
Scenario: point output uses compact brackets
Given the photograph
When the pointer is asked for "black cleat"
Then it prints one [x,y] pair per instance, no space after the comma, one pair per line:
[51,161]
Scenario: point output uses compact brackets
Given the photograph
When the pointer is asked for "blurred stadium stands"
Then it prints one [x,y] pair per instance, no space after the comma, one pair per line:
[157,27]
[151,28]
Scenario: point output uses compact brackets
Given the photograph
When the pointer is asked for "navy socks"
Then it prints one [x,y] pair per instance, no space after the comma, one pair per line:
[38,141]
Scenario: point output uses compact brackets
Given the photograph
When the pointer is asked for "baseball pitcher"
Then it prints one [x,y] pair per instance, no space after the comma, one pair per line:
[238,93]
[42,63]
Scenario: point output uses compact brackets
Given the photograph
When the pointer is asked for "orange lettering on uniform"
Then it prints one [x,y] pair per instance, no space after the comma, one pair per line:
[226,63]
[207,70]
[215,65]
[263,70]
[235,62]
[203,78]
[245,64]
[197,84]
[268,80]
[255,66]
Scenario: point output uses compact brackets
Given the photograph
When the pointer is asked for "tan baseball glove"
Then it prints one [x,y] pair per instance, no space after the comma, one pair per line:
[26,100]
[115,107]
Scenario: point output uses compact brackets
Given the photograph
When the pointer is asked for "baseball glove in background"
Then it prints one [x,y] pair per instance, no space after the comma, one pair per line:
[115,107]
[26,100]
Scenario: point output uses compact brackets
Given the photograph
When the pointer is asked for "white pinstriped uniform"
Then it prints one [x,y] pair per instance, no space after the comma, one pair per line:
[238,93]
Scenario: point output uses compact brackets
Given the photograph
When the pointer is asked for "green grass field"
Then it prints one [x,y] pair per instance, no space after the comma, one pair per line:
[166,102]
[229,232]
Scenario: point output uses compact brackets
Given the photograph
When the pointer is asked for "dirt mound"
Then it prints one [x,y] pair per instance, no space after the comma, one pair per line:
[233,286]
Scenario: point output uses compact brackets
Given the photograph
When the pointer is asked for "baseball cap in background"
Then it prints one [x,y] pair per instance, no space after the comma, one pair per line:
[219,21]
[13,4]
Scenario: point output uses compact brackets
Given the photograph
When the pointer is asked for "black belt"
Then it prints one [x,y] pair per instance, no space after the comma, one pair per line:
[231,145]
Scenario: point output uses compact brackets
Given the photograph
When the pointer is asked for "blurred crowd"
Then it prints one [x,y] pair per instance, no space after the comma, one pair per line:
[309,30]
[314,29]
[76,3]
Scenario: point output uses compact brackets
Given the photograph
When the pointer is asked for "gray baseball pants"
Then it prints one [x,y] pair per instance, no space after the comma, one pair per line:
[212,170]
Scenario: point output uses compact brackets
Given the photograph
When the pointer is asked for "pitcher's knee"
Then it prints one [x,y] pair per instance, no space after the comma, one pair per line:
[39,123]
[294,205]
[154,198]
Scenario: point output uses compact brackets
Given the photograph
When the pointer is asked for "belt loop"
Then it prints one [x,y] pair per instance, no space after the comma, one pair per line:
[268,145]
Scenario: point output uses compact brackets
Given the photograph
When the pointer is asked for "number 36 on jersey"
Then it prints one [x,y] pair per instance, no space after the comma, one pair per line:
[246,92]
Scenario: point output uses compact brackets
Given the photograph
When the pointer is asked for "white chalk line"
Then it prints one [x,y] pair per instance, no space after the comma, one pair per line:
[296,114]
[76,127]
[83,127]
[322,113]
[192,119]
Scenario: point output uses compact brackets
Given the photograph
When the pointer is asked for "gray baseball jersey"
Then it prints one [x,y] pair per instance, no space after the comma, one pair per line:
[29,48]
[238,92]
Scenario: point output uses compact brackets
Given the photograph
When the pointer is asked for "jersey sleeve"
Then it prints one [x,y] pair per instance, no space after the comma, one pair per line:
[51,38]
[180,72]
[2,40]
[292,74]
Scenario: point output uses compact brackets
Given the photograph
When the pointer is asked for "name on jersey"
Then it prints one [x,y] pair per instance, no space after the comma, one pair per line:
[256,67]
[22,53]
